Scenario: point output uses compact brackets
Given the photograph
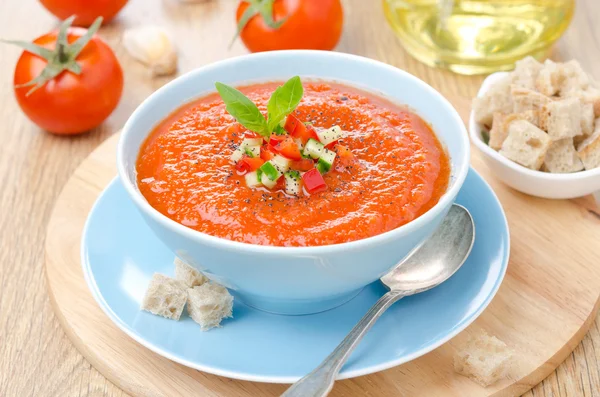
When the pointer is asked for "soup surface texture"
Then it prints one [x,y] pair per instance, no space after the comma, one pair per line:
[399,171]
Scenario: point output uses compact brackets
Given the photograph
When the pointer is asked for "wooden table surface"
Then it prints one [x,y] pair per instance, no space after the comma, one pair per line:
[36,357]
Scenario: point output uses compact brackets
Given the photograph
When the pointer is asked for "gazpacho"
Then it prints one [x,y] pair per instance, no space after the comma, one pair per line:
[294,164]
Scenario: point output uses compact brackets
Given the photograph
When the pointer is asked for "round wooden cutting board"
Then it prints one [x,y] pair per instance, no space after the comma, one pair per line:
[543,309]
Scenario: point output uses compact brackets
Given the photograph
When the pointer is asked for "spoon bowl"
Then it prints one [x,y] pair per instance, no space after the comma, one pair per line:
[431,265]
[436,260]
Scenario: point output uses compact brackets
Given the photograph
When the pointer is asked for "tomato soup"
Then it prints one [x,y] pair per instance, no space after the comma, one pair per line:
[399,171]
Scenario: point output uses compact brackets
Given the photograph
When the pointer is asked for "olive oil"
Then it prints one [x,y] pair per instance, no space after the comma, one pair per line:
[478,36]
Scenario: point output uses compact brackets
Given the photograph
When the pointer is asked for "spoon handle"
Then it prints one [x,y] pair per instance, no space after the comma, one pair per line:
[319,382]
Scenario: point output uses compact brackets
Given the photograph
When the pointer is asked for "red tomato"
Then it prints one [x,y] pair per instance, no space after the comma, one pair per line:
[313,181]
[307,24]
[302,165]
[288,148]
[346,158]
[85,11]
[304,133]
[343,152]
[290,124]
[275,139]
[70,103]
[249,164]
[267,153]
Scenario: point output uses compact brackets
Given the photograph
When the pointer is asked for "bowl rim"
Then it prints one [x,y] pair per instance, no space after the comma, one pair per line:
[445,200]
[475,127]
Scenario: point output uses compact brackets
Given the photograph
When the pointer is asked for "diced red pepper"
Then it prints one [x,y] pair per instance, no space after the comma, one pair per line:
[291,123]
[331,145]
[302,165]
[249,164]
[276,139]
[267,152]
[313,181]
[343,152]
[288,148]
[253,163]
[305,132]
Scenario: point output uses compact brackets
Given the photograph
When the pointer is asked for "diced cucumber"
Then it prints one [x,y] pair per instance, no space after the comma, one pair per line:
[281,163]
[313,149]
[249,146]
[269,171]
[325,161]
[237,155]
[267,182]
[292,182]
[330,135]
[252,151]
[251,142]
[252,179]
[328,156]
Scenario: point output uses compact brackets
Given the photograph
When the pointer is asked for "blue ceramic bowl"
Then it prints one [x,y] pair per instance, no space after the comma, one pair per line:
[296,280]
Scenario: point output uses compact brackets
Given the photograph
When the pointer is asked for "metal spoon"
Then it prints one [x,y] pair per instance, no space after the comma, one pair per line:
[429,266]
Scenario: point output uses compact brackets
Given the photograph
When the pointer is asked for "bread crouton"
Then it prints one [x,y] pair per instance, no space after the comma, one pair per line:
[499,130]
[484,359]
[496,100]
[526,73]
[562,157]
[591,95]
[208,304]
[587,119]
[589,149]
[526,144]
[562,119]
[186,273]
[165,297]
[525,99]
[573,78]
[549,79]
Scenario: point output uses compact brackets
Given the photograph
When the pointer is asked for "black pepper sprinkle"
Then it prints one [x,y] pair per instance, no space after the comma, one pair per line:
[229,202]
[344,98]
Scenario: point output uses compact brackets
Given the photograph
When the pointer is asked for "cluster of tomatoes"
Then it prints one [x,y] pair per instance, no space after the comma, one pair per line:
[67,88]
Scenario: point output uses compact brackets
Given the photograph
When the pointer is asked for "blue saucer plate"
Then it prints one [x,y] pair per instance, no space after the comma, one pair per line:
[120,254]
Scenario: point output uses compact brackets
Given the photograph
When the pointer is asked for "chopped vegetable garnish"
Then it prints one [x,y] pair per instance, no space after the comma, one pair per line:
[289,149]
[281,163]
[292,182]
[313,181]
[313,149]
[267,152]
[290,124]
[247,163]
[330,135]
[270,171]
[252,179]
[325,161]
[267,182]
[304,133]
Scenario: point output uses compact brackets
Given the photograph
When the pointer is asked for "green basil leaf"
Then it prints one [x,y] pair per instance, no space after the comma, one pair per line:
[243,109]
[283,101]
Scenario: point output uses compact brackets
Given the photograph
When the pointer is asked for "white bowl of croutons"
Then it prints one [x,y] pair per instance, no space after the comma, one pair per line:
[538,128]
